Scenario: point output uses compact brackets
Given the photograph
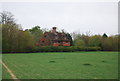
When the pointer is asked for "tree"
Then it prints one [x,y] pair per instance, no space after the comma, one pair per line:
[9,29]
[85,38]
[104,35]
[75,35]
[69,38]
[110,43]
[28,41]
[6,17]
[37,33]
[79,42]
[14,39]
[95,40]
[9,36]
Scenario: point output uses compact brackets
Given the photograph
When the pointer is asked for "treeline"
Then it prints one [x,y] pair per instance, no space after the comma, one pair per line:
[15,39]
[106,43]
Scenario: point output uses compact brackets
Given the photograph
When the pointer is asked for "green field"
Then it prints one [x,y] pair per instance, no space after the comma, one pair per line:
[66,65]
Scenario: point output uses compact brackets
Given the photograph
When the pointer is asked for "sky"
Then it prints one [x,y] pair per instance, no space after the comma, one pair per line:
[79,17]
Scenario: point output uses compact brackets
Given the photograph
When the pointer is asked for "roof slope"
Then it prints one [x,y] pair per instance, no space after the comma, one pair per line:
[57,36]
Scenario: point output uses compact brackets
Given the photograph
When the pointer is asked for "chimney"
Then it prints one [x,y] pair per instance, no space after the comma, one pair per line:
[54,30]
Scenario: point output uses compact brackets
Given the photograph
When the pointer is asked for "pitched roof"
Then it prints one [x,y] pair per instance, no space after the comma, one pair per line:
[56,36]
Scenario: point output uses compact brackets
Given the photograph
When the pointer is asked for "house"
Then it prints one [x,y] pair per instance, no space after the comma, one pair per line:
[54,38]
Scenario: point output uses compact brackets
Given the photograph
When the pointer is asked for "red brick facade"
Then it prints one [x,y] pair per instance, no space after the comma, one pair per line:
[66,43]
[54,39]
[63,44]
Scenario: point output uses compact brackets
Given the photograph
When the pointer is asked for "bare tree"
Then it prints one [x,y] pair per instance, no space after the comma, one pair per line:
[6,17]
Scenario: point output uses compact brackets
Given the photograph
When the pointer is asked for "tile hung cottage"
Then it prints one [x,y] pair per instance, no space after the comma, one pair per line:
[54,38]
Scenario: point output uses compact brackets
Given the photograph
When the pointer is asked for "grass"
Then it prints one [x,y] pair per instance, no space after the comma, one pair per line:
[69,65]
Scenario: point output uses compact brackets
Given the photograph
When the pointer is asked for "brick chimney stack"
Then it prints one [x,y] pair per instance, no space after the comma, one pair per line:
[54,30]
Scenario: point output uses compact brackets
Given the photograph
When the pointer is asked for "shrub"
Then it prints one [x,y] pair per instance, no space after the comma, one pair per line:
[65,49]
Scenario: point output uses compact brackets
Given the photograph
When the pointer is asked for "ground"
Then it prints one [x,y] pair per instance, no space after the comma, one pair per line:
[65,65]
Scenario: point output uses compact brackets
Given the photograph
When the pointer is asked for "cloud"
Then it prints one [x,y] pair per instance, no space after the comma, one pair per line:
[97,17]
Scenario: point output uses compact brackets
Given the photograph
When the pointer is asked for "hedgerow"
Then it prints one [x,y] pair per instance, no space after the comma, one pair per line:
[65,49]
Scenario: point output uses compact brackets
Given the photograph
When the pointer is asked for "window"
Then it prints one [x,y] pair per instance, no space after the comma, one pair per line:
[59,42]
[66,42]
[54,42]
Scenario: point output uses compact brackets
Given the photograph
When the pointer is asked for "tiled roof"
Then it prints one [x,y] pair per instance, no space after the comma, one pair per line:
[56,36]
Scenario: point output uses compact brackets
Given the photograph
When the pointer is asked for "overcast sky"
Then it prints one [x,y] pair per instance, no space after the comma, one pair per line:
[96,17]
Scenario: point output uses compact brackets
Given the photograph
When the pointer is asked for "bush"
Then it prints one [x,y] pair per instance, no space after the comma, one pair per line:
[110,44]
[60,49]
[65,49]
[79,42]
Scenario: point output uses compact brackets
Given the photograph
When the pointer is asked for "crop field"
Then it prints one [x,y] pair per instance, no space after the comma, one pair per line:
[62,65]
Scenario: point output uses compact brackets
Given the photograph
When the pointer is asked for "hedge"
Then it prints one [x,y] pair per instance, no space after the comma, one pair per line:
[65,49]
[57,49]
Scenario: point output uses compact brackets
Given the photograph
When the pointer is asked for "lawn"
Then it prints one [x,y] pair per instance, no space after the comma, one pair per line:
[66,65]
